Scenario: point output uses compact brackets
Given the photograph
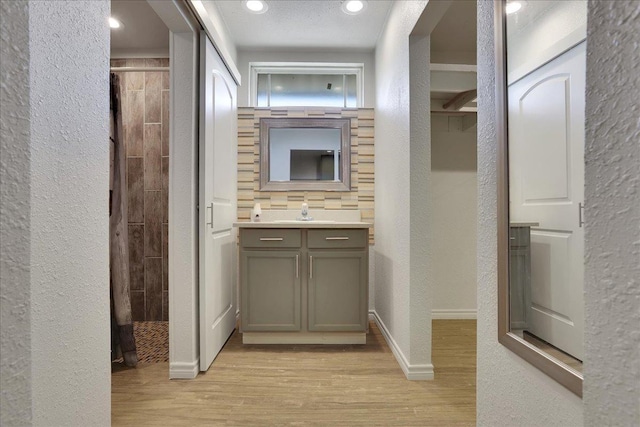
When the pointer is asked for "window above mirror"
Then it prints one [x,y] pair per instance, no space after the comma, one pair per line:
[306,85]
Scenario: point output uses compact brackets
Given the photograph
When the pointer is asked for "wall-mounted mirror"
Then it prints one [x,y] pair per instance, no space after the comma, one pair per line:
[541,70]
[298,154]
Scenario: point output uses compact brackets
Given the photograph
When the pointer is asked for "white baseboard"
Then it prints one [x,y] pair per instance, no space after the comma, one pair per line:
[412,372]
[441,314]
[184,371]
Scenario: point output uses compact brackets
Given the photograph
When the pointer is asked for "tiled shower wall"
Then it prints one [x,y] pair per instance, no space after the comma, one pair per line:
[362,165]
[145,116]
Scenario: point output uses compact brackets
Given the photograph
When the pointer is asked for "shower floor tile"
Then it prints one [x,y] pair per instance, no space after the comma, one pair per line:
[152,341]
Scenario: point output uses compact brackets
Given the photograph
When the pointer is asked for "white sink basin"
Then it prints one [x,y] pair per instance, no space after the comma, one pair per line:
[294,221]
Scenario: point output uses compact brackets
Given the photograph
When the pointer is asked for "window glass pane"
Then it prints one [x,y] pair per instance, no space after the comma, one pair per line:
[307,90]
[263,85]
[352,92]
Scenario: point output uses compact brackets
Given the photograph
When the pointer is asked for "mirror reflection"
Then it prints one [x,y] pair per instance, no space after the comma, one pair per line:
[305,154]
[546,59]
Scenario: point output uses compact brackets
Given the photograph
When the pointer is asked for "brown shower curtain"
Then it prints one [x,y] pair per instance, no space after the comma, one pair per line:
[122,340]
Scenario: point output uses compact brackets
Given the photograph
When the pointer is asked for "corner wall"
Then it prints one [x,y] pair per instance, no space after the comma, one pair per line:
[69,143]
[408,334]
[510,391]
[15,224]
[612,213]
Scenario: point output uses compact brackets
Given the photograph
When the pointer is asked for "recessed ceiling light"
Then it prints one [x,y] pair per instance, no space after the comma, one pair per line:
[114,23]
[513,7]
[353,7]
[255,6]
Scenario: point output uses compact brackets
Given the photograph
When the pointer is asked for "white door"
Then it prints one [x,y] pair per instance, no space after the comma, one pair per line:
[546,158]
[218,152]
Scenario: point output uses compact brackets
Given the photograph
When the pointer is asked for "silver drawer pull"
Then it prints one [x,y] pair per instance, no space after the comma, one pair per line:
[336,238]
[271,239]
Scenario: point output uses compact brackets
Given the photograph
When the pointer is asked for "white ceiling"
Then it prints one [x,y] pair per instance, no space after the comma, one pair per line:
[143,32]
[304,24]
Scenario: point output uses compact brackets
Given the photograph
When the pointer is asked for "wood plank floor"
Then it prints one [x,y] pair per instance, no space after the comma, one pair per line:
[307,386]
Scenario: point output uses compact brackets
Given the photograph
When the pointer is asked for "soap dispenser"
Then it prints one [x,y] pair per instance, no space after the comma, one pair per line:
[256,213]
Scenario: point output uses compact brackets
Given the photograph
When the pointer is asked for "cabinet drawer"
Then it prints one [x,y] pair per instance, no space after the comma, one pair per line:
[337,238]
[270,238]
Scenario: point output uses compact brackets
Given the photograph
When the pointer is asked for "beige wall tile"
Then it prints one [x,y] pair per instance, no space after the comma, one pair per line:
[165,122]
[137,306]
[152,158]
[135,80]
[147,166]
[165,190]
[136,257]
[134,123]
[152,224]
[135,190]
[152,97]
[165,306]
[153,289]
[153,62]
[165,257]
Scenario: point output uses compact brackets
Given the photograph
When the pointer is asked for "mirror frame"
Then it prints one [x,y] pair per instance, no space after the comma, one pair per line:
[565,375]
[306,185]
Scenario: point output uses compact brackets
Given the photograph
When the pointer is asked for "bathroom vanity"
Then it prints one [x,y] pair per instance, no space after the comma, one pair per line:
[304,282]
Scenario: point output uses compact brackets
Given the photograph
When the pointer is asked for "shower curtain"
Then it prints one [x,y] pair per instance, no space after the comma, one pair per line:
[122,340]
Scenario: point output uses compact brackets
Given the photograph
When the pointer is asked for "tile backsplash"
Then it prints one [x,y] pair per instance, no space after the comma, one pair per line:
[145,116]
[361,195]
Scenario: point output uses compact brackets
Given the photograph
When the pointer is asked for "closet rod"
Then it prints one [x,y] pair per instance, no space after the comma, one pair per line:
[121,69]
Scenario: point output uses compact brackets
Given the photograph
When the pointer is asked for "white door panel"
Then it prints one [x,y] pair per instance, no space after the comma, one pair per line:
[545,142]
[546,158]
[218,148]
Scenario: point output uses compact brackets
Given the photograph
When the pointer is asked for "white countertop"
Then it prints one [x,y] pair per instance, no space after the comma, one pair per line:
[303,224]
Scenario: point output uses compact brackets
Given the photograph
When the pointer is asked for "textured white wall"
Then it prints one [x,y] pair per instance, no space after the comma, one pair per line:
[510,391]
[15,290]
[612,199]
[454,195]
[392,190]
[246,56]
[69,90]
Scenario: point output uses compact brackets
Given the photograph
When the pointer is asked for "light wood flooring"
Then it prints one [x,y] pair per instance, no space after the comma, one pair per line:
[310,385]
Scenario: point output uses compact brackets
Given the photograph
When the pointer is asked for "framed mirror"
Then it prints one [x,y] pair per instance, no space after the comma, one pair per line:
[540,92]
[299,154]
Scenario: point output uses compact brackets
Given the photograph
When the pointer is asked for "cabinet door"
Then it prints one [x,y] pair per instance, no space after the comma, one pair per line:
[337,293]
[519,277]
[270,290]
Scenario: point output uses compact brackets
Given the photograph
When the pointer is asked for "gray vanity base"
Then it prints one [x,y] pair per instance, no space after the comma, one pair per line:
[304,285]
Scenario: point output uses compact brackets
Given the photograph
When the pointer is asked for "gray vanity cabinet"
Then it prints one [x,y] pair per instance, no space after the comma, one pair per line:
[309,281]
[270,280]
